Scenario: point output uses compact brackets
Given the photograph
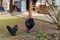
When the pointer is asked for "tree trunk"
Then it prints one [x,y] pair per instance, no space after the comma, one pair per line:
[30,8]
[11,6]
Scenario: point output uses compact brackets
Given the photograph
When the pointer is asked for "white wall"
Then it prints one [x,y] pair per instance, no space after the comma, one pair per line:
[40,2]
[23,6]
[57,2]
[17,0]
[43,2]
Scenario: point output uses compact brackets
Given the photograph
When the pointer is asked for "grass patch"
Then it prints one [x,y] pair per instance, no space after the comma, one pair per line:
[5,22]
[9,21]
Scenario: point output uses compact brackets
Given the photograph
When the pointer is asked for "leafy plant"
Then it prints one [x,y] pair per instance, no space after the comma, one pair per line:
[41,35]
[54,14]
[47,36]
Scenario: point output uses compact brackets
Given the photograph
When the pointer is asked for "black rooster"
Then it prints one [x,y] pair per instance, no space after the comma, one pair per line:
[13,30]
[29,24]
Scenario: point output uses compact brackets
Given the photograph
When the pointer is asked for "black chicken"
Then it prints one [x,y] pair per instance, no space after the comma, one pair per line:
[13,30]
[29,24]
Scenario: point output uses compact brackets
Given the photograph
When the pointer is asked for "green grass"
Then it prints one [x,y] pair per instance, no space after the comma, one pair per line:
[9,21]
[4,23]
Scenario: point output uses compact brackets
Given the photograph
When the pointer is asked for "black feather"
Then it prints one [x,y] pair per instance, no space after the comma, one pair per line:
[29,23]
[13,30]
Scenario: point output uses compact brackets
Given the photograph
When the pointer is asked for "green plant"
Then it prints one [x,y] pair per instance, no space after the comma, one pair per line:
[2,35]
[54,14]
[41,35]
